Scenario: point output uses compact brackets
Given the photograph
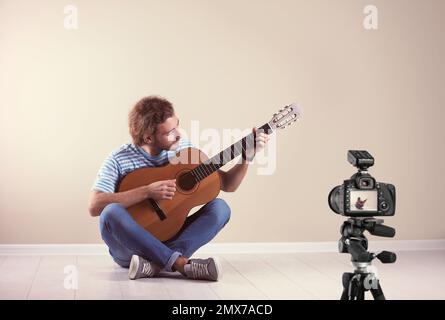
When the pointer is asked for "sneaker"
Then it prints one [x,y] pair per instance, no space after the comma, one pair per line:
[141,268]
[203,269]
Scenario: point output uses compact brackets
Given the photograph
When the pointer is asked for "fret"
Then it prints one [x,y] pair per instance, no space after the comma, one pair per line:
[244,147]
[215,160]
[200,174]
[226,157]
[214,166]
[202,169]
[237,150]
[208,170]
[206,173]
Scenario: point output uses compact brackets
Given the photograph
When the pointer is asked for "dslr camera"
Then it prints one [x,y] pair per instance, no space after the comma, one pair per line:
[362,195]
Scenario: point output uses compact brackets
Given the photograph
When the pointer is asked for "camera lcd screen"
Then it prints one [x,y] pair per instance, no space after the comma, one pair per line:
[363,200]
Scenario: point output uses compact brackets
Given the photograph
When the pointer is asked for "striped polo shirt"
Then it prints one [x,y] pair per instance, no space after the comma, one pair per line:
[128,158]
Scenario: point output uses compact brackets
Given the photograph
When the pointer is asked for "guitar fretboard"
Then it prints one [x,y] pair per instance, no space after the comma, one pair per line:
[238,148]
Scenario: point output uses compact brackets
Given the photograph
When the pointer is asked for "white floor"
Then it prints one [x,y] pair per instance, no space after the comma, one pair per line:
[415,275]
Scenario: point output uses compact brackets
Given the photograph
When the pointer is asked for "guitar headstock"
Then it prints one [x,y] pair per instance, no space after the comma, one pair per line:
[285,117]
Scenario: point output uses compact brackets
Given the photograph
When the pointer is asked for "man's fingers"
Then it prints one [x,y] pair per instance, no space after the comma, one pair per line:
[262,137]
[262,134]
[169,195]
[262,140]
[171,183]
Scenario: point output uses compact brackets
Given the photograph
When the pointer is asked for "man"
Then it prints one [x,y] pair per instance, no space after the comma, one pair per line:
[154,130]
[360,203]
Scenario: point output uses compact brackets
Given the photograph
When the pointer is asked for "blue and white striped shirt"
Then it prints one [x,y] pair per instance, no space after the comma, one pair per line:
[126,159]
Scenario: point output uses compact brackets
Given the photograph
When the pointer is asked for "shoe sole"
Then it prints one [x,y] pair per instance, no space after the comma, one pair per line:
[134,266]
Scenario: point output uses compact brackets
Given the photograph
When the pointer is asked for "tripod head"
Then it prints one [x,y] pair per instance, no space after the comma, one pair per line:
[354,242]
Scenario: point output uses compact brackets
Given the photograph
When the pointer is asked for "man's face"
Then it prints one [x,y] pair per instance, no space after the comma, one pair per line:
[167,134]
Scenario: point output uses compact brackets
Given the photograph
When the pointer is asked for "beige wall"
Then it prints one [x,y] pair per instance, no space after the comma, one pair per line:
[65,95]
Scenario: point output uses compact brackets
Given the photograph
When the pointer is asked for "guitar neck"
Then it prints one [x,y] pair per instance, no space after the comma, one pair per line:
[238,148]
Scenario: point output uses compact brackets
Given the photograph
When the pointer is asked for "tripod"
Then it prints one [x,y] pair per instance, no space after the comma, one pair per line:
[356,283]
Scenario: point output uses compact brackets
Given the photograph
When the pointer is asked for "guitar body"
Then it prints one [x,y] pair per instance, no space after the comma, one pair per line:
[185,198]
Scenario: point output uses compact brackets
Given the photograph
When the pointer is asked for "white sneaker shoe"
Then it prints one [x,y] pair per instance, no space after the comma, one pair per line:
[203,269]
[141,268]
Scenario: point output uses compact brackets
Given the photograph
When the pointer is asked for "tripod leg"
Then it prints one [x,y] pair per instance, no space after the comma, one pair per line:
[361,292]
[344,295]
[351,287]
[346,280]
[355,290]
[378,292]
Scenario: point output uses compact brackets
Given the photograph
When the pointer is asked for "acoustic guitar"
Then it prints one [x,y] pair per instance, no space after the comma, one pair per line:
[197,180]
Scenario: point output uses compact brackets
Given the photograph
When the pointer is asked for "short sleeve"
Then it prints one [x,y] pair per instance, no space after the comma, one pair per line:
[108,176]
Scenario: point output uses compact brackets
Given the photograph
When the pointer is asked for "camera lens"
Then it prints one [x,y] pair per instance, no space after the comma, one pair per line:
[384,206]
[335,200]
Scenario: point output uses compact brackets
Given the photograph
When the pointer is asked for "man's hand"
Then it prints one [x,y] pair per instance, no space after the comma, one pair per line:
[261,140]
[162,190]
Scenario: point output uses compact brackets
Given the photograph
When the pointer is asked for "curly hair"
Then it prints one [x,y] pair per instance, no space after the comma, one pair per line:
[146,115]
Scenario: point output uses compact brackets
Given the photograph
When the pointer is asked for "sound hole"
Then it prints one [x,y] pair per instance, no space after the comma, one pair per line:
[186,181]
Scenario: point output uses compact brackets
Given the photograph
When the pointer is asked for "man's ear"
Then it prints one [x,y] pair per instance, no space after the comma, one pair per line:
[148,138]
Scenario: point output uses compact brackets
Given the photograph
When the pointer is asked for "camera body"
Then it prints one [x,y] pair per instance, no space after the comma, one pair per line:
[362,195]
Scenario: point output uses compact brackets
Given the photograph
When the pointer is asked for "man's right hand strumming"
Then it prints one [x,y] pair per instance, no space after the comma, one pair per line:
[162,190]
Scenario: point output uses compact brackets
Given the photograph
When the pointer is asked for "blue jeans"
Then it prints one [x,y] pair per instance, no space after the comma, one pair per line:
[125,237]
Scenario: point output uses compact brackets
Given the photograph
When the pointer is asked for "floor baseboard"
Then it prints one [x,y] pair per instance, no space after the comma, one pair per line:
[226,248]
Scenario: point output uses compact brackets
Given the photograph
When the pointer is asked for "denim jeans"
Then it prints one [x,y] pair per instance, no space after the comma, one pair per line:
[125,237]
